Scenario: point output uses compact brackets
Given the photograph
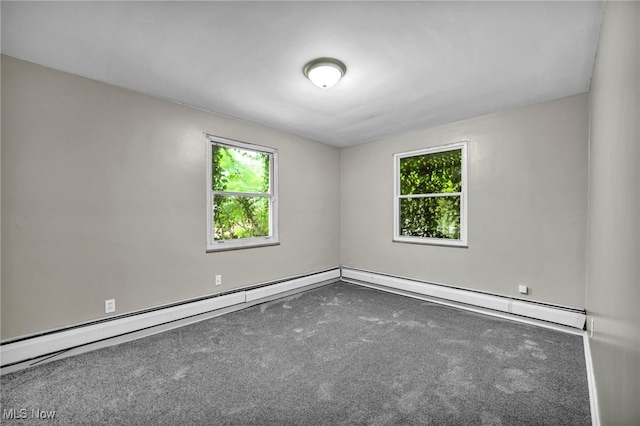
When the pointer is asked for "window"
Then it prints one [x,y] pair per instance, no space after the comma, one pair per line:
[430,196]
[242,204]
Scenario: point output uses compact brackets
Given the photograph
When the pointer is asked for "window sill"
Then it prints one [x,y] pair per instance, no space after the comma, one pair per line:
[230,247]
[452,244]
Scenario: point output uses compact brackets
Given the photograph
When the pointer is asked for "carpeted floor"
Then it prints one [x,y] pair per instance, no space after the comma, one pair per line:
[340,354]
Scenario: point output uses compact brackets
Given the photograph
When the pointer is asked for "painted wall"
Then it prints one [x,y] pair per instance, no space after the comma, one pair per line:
[613,285]
[527,183]
[103,196]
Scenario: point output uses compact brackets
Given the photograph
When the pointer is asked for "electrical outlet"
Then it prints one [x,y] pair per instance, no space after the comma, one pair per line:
[591,328]
[109,306]
[523,289]
[218,279]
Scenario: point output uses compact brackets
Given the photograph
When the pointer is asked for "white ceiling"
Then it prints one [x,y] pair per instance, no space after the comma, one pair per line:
[410,65]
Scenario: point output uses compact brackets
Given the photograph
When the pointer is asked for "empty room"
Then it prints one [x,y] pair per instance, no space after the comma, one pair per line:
[301,213]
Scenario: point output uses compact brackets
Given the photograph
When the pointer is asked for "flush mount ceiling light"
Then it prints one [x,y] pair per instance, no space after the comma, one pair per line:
[325,72]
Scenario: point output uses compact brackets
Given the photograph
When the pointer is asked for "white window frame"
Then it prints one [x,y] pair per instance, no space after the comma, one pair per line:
[462,242]
[241,243]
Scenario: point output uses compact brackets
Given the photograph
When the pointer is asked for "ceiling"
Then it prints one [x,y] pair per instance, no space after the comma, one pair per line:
[410,65]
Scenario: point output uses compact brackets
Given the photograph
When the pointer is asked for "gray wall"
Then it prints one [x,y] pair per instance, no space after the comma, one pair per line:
[527,179]
[103,196]
[613,285]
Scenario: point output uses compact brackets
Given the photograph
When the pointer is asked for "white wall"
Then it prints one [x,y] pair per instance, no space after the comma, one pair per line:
[103,196]
[613,286]
[527,189]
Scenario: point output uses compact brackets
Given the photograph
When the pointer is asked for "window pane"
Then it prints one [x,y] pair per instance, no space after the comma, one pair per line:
[430,217]
[440,172]
[240,217]
[239,170]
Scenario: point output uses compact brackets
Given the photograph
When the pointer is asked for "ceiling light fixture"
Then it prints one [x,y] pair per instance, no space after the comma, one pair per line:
[325,72]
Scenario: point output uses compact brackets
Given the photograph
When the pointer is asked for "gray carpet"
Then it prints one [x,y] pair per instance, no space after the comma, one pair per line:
[340,354]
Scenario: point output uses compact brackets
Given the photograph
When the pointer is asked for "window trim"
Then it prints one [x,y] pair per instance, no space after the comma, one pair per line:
[462,242]
[270,240]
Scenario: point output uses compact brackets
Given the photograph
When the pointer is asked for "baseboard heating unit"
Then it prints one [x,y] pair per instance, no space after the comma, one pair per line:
[84,337]
[472,300]
[24,351]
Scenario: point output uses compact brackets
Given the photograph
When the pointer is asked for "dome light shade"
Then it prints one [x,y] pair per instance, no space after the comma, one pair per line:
[325,72]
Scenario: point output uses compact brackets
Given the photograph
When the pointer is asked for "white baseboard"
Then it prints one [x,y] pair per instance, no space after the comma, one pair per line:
[593,392]
[20,350]
[574,318]
[276,289]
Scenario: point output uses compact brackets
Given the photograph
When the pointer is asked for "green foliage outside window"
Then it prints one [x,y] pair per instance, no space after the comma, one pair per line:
[425,210]
[240,172]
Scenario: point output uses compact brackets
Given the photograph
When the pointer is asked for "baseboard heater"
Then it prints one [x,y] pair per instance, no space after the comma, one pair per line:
[565,316]
[21,349]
